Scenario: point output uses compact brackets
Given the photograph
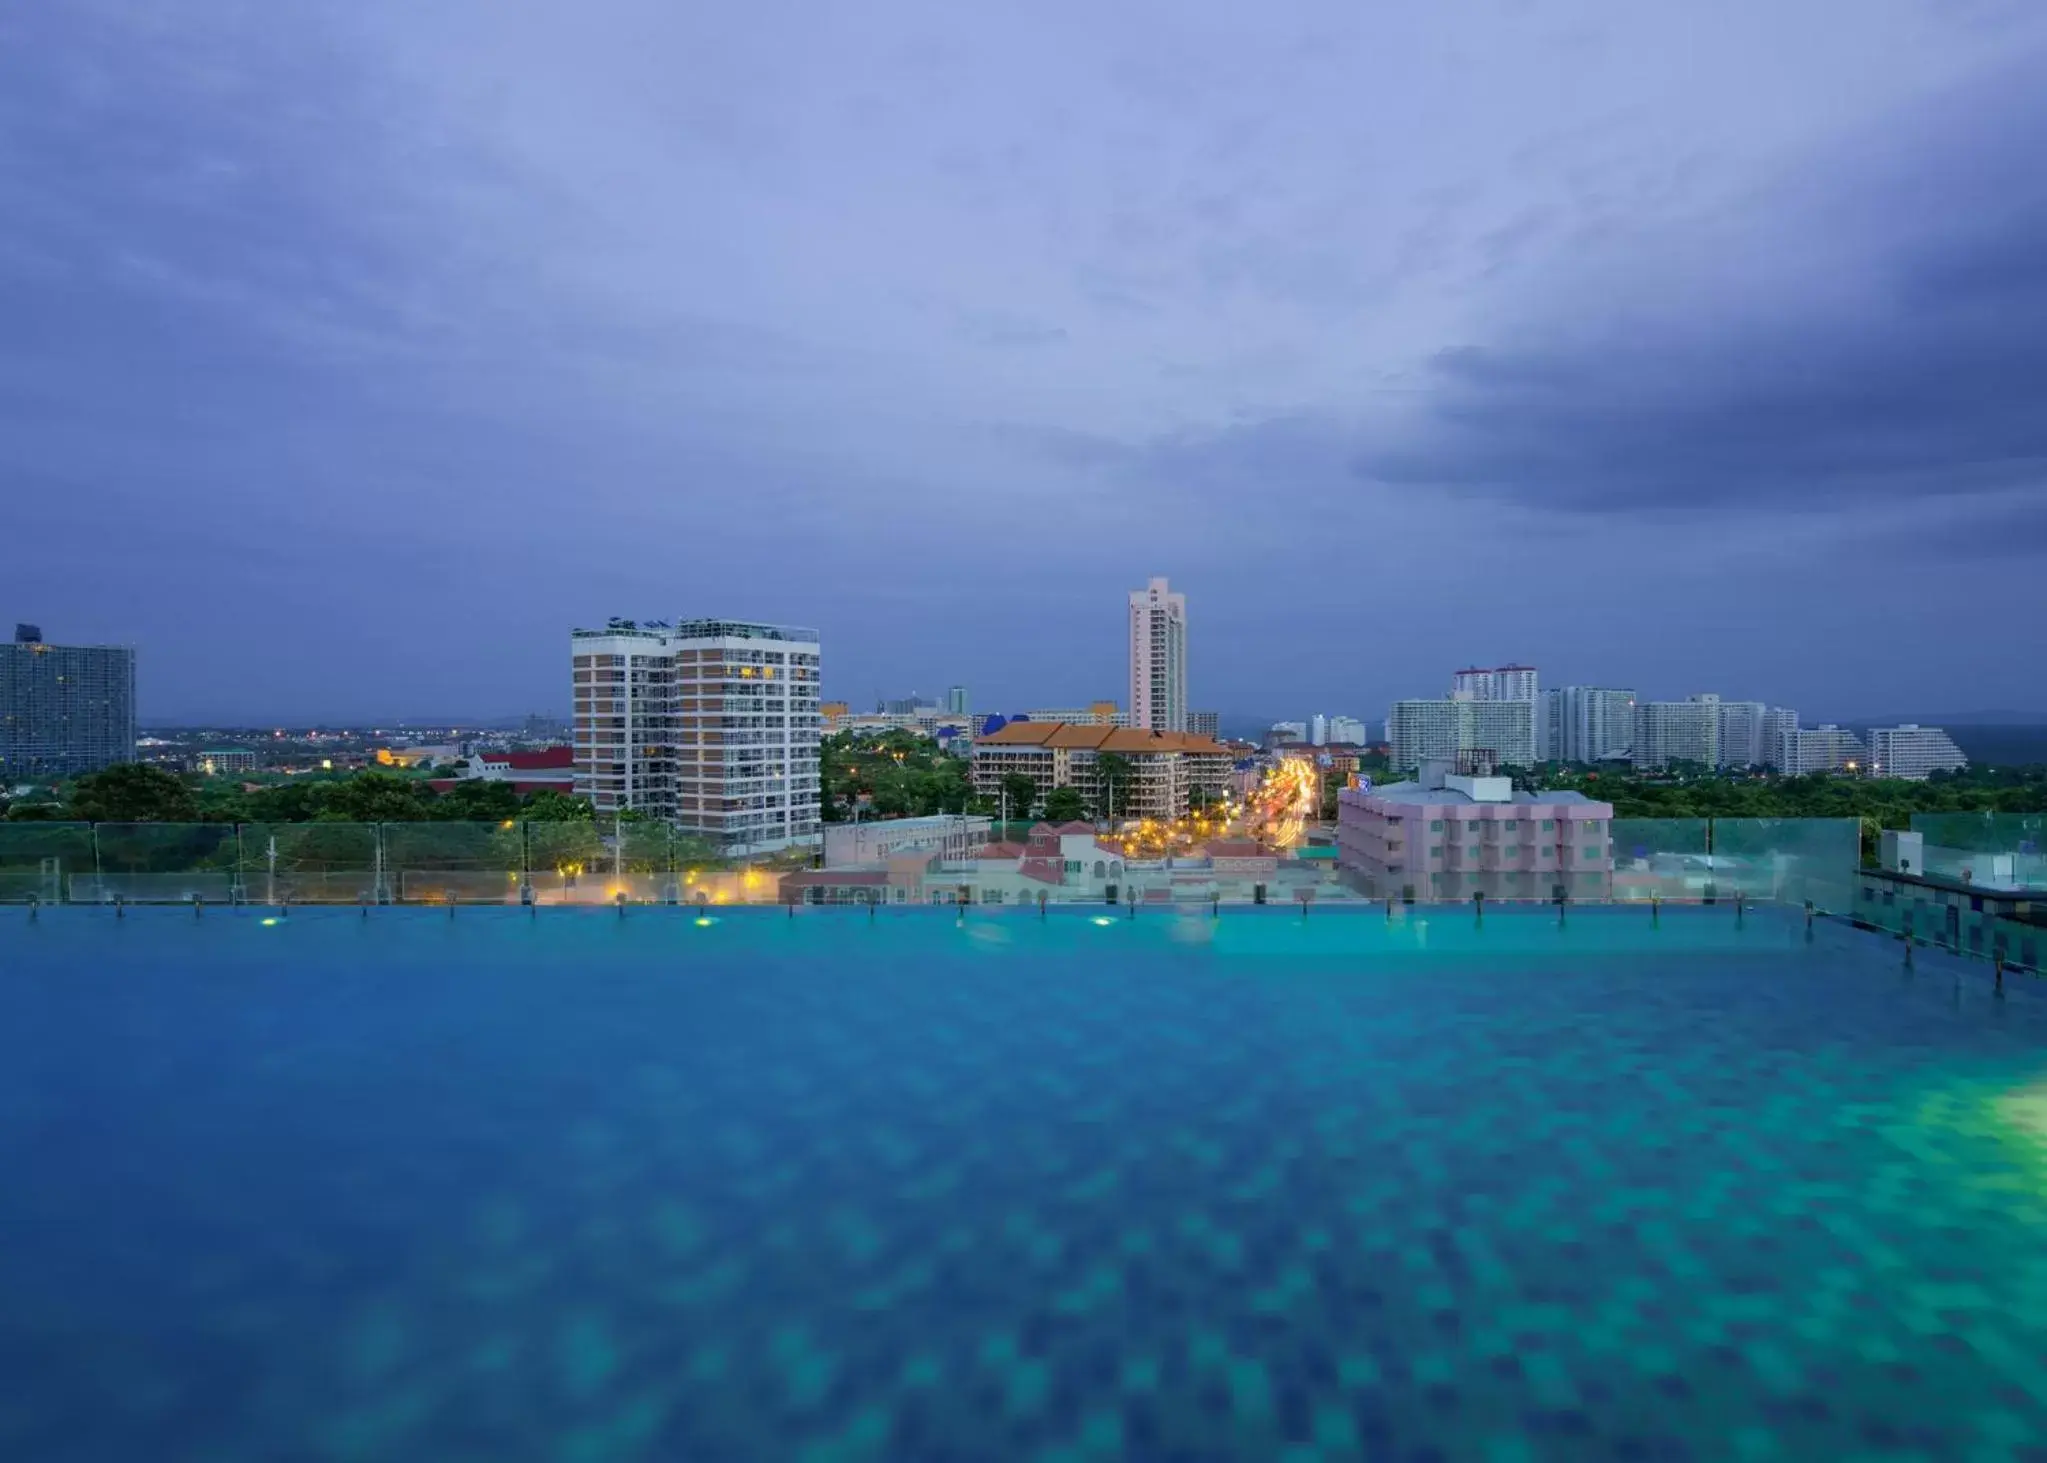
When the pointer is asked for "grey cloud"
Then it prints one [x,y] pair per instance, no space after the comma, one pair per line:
[1877,325]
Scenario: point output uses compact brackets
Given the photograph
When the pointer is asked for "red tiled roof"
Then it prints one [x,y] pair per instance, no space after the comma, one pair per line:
[1128,740]
[533,761]
[1045,871]
[1001,850]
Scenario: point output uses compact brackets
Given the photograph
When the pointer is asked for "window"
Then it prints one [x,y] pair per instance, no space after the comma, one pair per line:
[1512,824]
[1549,825]
[1435,825]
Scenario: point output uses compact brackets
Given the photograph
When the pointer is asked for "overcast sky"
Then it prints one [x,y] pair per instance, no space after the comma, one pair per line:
[350,354]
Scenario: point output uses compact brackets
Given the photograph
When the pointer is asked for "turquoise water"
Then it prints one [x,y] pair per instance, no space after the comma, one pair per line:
[581,1188]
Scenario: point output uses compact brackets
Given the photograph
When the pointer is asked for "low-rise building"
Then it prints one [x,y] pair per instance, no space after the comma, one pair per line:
[947,835]
[1446,836]
[220,761]
[1163,767]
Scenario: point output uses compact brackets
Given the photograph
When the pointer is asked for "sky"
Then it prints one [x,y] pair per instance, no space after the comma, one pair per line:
[349,360]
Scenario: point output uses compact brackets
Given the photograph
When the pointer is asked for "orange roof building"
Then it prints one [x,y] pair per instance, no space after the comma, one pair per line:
[1155,773]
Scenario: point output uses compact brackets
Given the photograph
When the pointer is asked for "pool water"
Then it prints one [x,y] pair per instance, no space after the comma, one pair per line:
[576,1187]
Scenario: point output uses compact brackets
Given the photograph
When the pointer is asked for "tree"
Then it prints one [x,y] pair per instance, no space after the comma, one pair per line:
[1020,792]
[1115,777]
[132,792]
[373,797]
[1065,804]
[549,806]
[475,800]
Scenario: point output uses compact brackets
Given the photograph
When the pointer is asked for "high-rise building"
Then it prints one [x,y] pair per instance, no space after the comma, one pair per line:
[64,709]
[1427,731]
[956,701]
[1499,683]
[1913,752]
[1677,731]
[1823,748]
[1318,730]
[1347,731]
[1587,723]
[1205,724]
[1283,732]
[1158,658]
[1742,724]
[1095,713]
[1777,720]
[712,725]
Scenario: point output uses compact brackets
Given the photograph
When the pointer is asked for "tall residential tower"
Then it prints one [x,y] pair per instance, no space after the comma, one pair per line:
[64,709]
[1158,658]
[712,725]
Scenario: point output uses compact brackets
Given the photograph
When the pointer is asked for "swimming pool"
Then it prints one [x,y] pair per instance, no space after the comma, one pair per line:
[580,1187]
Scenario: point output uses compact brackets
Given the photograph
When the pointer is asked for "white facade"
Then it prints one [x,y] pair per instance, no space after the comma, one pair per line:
[946,835]
[1777,721]
[1286,731]
[1424,731]
[1741,734]
[1497,683]
[1347,731]
[1102,713]
[712,725]
[1318,730]
[1677,731]
[1824,748]
[1913,752]
[1158,658]
[1589,723]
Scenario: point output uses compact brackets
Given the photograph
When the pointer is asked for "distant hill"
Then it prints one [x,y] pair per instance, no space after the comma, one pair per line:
[1995,746]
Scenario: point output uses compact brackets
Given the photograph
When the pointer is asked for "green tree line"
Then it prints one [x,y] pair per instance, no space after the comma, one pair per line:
[137,792]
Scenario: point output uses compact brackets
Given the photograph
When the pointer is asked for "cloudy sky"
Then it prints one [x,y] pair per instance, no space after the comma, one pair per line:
[351,353]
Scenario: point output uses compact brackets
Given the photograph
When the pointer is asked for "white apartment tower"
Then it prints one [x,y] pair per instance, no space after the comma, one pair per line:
[712,725]
[1589,723]
[1677,731]
[1158,658]
[1424,731]
[1742,726]
[1823,748]
[1498,683]
[1913,752]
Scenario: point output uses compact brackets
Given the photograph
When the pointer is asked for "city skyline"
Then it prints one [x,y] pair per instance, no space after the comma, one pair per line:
[331,424]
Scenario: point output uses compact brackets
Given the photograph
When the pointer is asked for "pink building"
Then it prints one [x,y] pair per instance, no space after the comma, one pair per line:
[1449,837]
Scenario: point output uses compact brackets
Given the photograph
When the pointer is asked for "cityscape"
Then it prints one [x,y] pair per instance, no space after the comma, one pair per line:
[1158,733]
[719,731]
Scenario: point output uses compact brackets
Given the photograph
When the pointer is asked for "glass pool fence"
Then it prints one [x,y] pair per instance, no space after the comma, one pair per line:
[1789,861]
